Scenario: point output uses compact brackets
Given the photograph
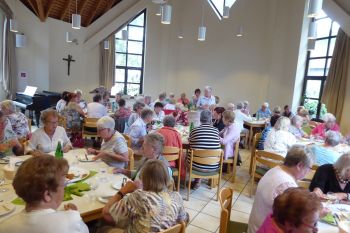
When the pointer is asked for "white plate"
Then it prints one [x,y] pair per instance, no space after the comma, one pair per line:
[82,158]
[104,199]
[6,209]
[4,160]
[79,174]
[340,208]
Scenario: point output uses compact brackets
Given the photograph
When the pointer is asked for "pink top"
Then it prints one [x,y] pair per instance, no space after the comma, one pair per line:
[269,226]
[320,130]
[228,137]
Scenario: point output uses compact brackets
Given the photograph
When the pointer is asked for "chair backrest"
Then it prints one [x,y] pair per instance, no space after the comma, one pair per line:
[127,138]
[171,153]
[131,163]
[268,159]
[256,140]
[90,120]
[178,228]
[225,200]
[62,121]
[207,157]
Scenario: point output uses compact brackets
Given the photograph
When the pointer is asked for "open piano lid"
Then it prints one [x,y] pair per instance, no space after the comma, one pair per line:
[30,91]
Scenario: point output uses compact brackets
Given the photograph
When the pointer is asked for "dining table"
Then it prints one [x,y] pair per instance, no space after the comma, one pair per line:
[252,126]
[337,210]
[103,184]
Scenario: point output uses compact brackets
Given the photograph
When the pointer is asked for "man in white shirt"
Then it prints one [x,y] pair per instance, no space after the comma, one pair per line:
[96,109]
[139,128]
[240,117]
[207,100]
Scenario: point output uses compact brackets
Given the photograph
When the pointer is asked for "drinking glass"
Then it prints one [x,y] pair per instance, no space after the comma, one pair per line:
[2,182]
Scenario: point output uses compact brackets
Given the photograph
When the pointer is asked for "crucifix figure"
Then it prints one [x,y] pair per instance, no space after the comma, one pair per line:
[69,60]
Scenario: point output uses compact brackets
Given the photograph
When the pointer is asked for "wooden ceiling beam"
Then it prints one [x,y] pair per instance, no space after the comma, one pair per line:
[49,8]
[109,6]
[33,7]
[63,14]
[40,10]
[93,14]
[82,6]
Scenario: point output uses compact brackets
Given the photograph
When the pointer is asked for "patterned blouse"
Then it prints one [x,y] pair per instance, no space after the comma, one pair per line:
[5,148]
[19,123]
[144,212]
[72,117]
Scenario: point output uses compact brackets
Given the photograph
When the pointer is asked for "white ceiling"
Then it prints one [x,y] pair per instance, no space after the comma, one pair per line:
[345,4]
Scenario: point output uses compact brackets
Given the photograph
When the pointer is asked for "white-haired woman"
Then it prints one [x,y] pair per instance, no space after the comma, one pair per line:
[114,149]
[296,127]
[333,178]
[326,153]
[264,111]
[279,139]
[207,99]
[329,124]
[18,120]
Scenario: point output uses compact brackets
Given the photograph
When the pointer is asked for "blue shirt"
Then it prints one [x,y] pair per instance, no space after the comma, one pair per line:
[264,114]
[324,155]
[205,101]
[264,134]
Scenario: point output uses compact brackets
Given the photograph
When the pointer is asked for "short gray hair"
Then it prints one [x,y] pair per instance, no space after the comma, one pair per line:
[239,105]
[332,138]
[138,105]
[205,117]
[296,119]
[169,121]
[78,91]
[105,122]
[208,88]
[328,117]
[343,164]
[282,123]
[266,104]
[146,113]
[46,113]
[156,140]
[246,103]
[299,154]
[277,110]
[8,105]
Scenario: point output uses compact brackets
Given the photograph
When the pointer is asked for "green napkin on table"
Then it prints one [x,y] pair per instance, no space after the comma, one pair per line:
[329,218]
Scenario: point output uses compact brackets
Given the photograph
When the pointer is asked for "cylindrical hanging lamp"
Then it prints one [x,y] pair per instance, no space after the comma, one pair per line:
[226,12]
[312,34]
[202,31]
[311,44]
[13,25]
[106,44]
[166,14]
[69,37]
[315,6]
[125,34]
[20,40]
[76,21]
[239,32]
[159,11]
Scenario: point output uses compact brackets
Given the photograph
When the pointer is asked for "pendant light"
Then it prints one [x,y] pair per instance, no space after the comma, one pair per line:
[159,11]
[226,12]
[13,25]
[76,18]
[20,40]
[202,30]
[166,14]
[125,34]
[315,6]
[312,33]
[106,44]
[311,44]
[239,32]
[69,37]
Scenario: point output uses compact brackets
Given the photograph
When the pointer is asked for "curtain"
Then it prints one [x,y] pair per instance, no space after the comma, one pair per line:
[335,87]
[9,62]
[107,63]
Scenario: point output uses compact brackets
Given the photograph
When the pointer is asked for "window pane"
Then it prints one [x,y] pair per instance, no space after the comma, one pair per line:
[118,87]
[119,75]
[133,89]
[119,33]
[328,65]
[313,88]
[120,46]
[139,21]
[120,59]
[311,105]
[331,47]
[135,33]
[135,47]
[320,48]
[219,5]
[135,60]
[316,67]
[323,27]
[321,14]
[134,76]
[335,28]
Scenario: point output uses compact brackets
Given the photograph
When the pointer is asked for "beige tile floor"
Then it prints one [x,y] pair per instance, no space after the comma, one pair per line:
[203,208]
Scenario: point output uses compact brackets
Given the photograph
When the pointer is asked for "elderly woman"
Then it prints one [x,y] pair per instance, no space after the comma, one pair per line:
[276,110]
[230,134]
[195,97]
[217,118]
[295,210]
[333,178]
[170,134]
[153,208]
[152,148]
[296,127]
[264,111]
[279,139]
[40,182]
[73,113]
[296,165]
[325,153]
[82,103]
[45,139]
[8,139]
[329,124]
[114,149]
[139,128]
[266,131]
[137,108]
[181,114]
[18,120]
[122,112]
[204,137]
[245,108]
[158,112]
[184,100]
[240,117]
[207,100]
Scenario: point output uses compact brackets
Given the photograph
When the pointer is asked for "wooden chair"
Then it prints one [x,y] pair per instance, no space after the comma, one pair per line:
[205,157]
[268,159]
[178,228]
[227,226]
[131,163]
[90,128]
[256,140]
[233,161]
[127,138]
[245,136]
[174,154]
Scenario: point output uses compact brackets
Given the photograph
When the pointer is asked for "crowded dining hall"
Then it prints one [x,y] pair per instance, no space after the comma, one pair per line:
[173,116]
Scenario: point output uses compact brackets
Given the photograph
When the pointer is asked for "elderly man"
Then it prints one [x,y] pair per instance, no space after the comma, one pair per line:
[264,111]
[326,153]
[296,165]
[329,124]
[207,100]
[96,109]
[240,117]
[139,128]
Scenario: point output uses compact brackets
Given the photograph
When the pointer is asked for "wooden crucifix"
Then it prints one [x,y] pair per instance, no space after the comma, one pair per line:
[69,60]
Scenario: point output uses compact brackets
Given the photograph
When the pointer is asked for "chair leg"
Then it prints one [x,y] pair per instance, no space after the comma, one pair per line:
[218,190]
[189,187]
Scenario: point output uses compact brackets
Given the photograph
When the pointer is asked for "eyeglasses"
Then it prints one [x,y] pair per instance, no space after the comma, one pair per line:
[52,122]
[312,227]
[100,129]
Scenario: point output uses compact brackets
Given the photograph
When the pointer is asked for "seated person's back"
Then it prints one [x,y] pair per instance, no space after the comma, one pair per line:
[96,109]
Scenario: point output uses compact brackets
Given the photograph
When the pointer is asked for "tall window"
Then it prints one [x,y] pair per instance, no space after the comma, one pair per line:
[218,6]
[129,59]
[317,65]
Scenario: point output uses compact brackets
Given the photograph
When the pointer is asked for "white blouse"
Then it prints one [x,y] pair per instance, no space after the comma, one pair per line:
[279,141]
[43,221]
[41,141]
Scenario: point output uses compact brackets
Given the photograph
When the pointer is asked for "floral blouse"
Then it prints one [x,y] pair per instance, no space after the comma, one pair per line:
[19,123]
[72,117]
[5,148]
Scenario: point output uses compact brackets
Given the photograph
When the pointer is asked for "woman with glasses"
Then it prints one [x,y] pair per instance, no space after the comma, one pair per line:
[296,210]
[46,138]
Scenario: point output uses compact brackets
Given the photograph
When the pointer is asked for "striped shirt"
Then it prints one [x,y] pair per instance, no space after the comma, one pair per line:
[115,145]
[204,137]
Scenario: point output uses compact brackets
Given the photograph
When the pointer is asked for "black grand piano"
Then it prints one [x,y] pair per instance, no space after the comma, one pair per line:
[37,103]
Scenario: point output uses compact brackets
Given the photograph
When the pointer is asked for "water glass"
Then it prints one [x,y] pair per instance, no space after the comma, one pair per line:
[2,182]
